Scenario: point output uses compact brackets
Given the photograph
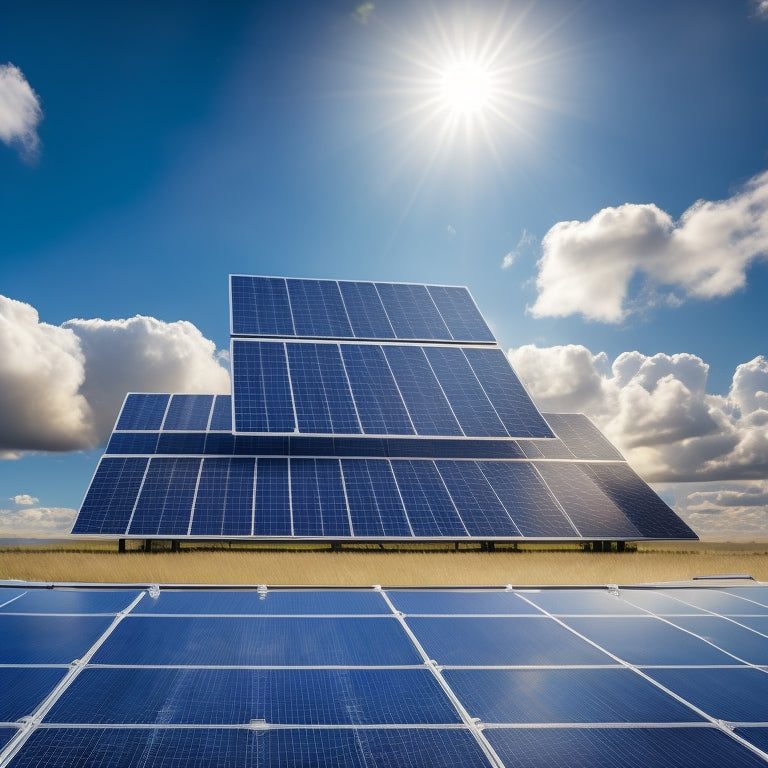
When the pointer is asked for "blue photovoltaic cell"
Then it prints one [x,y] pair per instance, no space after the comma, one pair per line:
[435,601]
[224,500]
[544,449]
[50,639]
[582,437]
[657,602]
[260,641]
[278,696]
[110,499]
[720,602]
[165,502]
[649,514]
[615,695]
[411,312]
[6,734]
[469,403]
[429,410]
[526,498]
[379,404]
[273,602]
[222,444]
[143,412]
[320,389]
[317,497]
[365,311]
[647,640]
[181,442]
[711,689]
[132,442]
[592,512]
[318,309]
[272,512]
[460,313]
[429,506]
[374,503]
[575,602]
[283,748]
[24,688]
[262,390]
[505,392]
[742,642]
[478,506]
[188,412]
[260,306]
[74,601]
[519,641]
[619,748]
[221,418]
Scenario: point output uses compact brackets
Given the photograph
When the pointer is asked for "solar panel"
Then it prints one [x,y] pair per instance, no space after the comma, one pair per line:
[385,677]
[364,411]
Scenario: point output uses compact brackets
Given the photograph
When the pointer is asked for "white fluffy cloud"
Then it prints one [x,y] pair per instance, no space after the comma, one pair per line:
[37,522]
[657,411]
[20,111]
[61,386]
[24,500]
[587,267]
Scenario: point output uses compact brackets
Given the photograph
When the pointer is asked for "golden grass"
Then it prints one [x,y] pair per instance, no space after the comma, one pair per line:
[532,566]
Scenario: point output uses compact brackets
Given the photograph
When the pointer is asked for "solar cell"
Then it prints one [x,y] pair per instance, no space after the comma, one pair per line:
[582,437]
[188,412]
[411,312]
[272,513]
[143,411]
[365,311]
[375,506]
[221,417]
[317,498]
[28,686]
[318,309]
[260,306]
[743,642]
[460,313]
[224,498]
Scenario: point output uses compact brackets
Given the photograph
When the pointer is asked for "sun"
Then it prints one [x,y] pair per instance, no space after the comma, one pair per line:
[466,88]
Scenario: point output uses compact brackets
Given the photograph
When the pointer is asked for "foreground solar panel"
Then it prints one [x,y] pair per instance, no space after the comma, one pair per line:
[493,676]
[364,412]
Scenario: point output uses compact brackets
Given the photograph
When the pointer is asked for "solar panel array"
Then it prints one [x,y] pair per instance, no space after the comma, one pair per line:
[497,677]
[364,411]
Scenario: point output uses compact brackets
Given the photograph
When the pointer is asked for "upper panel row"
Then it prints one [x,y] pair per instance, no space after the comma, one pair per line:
[277,306]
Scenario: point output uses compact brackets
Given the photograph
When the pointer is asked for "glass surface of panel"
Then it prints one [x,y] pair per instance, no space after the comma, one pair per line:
[460,313]
[646,640]
[564,696]
[593,513]
[143,412]
[181,442]
[505,392]
[317,498]
[620,748]
[478,506]
[234,696]
[718,601]
[73,601]
[318,309]
[379,404]
[111,497]
[647,512]
[224,499]
[320,389]
[411,312]
[500,641]
[49,639]
[221,418]
[544,449]
[427,503]
[260,306]
[429,410]
[742,642]
[582,437]
[581,602]
[469,403]
[374,503]
[365,311]
[189,413]
[24,688]
[437,602]
[165,502]
[257,641]
[526,498]
[132,442]
[272,510]
[262,389]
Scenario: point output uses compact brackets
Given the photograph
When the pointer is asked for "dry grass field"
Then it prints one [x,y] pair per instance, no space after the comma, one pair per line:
[96,562]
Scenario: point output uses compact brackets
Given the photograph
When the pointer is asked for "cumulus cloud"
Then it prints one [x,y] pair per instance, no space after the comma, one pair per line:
[761,8]
[589,267]
[37,522]
[24,500]
[656,409]
[61,386]
[20,111]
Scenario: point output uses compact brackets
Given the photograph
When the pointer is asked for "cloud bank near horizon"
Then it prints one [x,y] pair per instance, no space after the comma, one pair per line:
[61,386]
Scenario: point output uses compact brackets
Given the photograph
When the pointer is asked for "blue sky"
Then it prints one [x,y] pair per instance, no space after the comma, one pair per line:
[606,202]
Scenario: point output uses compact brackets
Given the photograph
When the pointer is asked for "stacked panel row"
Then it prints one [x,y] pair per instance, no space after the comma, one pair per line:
[284,307]
[372,389]
[630,677]
[311,498]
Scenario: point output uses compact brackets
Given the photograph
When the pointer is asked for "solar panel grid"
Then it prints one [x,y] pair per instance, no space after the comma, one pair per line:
[575,704]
